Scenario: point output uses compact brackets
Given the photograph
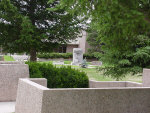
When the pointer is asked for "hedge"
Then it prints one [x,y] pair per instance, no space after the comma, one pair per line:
[63,77]
[62,55]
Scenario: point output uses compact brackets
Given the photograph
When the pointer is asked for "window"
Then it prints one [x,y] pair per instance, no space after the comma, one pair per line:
[62,49]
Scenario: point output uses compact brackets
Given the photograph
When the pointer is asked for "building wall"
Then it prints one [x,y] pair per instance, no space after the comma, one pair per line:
[79,42]
[70,48]
[83,44]
[82,41]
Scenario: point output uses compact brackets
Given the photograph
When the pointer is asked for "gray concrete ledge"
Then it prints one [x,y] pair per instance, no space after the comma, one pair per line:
[9,76]
[34,98]
[11,62]
[111,84]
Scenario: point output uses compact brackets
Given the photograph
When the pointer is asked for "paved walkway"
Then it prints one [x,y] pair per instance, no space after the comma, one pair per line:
[20,57]
[7,107]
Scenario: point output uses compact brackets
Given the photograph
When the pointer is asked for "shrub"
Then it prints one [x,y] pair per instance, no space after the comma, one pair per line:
[63,77]
[62,55]
[1,58]
[89,56]
[34,70]
[55,55]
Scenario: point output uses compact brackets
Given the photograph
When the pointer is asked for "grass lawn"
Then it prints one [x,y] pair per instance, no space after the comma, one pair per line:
[67,62]
[8,58]
[93,74]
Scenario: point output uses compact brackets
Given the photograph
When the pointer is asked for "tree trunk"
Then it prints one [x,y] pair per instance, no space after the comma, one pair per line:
[33,55]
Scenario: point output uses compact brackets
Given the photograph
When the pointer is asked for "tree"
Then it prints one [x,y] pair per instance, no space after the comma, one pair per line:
[124,27]
[94,41]
[28,26]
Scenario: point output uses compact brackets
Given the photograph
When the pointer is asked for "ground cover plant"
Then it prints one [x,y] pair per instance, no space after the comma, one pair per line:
[58,77]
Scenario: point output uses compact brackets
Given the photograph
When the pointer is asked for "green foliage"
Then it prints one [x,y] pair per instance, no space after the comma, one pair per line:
[55,55]
[94,41]
[63,77]
[34,70]
[67,62]
[124,27]
[28,26]
[62,55]
[89,56]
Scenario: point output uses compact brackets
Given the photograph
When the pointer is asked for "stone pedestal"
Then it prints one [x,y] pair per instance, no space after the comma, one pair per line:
[77,56]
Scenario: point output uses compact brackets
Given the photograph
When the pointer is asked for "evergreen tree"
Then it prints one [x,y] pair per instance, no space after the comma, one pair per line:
[124,27]
[28,26]
[94,41]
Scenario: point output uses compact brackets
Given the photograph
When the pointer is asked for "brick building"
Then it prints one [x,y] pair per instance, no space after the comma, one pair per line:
[80,42]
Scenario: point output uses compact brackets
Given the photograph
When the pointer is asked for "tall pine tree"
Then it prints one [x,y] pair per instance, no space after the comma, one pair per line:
[28,26]
[124,27]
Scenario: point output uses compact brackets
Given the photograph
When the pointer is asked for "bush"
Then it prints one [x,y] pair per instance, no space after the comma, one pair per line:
[62,55]
[55,55]
[63,77]
[88,56]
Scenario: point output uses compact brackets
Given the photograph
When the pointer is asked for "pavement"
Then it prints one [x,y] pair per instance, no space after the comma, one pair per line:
[7,107]
[20,57]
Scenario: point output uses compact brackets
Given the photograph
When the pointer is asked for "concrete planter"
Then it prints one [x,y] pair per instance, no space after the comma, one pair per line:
[101,97]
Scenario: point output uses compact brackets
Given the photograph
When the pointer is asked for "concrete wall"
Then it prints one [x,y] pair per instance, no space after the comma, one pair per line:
[41,81]
[29,97]
[101,97]
[9,75]
[11,62]
[133,84]
[109,84]
[146,77]
[101,84]
[96,101]
[34,98]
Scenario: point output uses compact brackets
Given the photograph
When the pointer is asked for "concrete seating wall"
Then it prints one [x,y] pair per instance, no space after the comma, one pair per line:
[29,96]
[103,84]
[34,98]
[9,76]
[101,97]
[133,84]
[11,62]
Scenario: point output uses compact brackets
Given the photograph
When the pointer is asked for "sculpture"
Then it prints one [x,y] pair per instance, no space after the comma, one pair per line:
[77,56]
